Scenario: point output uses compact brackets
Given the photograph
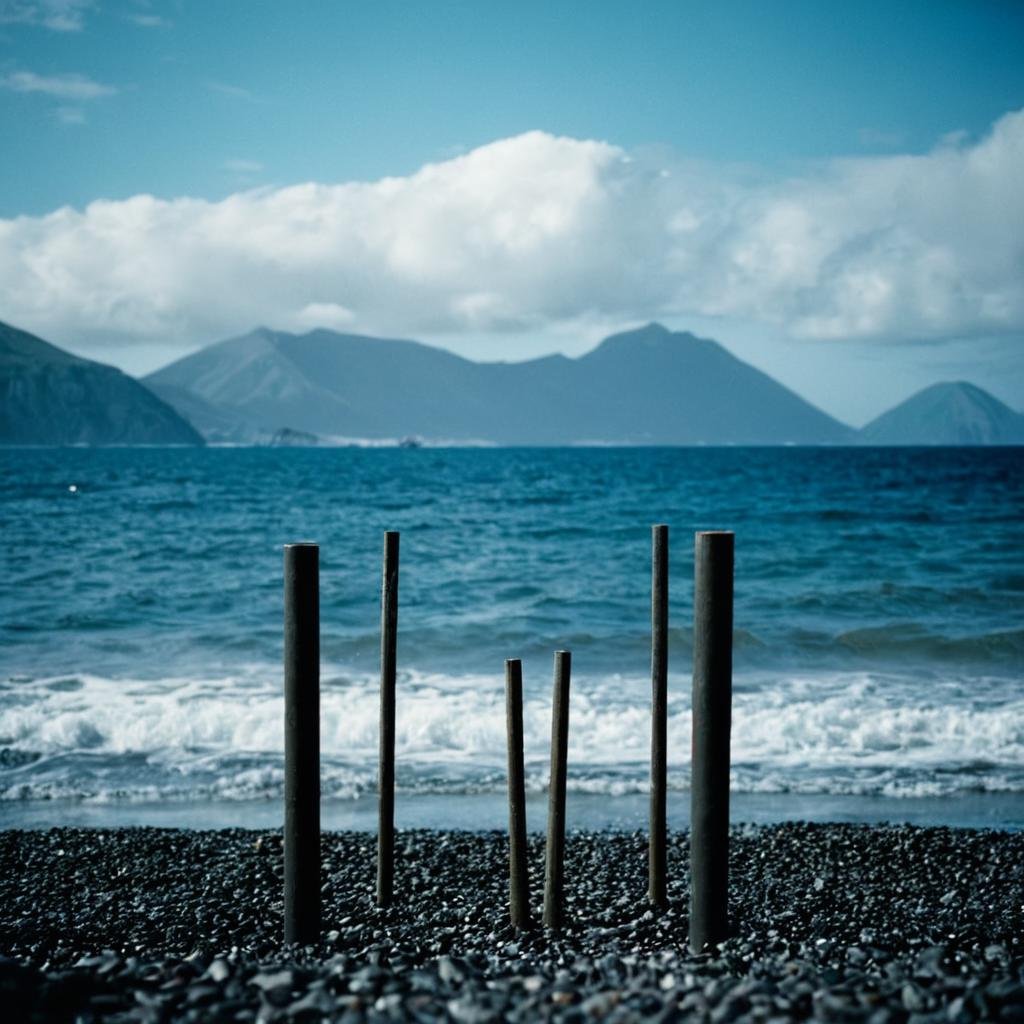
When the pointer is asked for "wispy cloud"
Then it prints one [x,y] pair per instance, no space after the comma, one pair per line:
[70,115]
[150,21]
[228,89]
[143,16]
[242,166]
[58,15]
[65,87]
[535,232]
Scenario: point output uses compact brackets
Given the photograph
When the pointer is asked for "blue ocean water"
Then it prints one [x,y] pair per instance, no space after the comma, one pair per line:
[879,647]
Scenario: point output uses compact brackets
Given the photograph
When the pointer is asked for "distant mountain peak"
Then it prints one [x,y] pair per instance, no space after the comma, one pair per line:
[651,337]
[653,329]
[951,413]
[265,335]
[955,387]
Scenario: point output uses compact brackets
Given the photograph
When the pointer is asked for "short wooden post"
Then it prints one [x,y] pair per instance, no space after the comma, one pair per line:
[712,715]
[555,846]
[518,875]
[659,715]
[301,743]
[386,764]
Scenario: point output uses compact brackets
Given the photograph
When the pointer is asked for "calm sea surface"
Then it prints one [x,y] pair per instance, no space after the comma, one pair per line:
[879,635]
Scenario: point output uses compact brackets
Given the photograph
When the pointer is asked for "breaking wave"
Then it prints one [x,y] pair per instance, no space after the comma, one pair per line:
[91,738]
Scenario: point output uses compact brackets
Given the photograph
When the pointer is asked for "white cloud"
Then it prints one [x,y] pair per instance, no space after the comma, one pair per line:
[65,87]
[535,233]
[58,15]
[324,314]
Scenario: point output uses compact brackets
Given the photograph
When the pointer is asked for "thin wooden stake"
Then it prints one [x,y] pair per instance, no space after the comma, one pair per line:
[386,771]
[555,848]
[519,879]
[656,891]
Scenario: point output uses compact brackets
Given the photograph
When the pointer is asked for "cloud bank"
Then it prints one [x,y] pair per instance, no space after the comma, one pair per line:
[536,231]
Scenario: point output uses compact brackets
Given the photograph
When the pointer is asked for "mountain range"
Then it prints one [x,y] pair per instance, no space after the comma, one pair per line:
[645,386]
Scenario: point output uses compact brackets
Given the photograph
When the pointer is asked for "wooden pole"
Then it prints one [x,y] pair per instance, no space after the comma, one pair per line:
[712,714]
[555,847]
[519,879]
[301,743]
[386,771]
[656,892]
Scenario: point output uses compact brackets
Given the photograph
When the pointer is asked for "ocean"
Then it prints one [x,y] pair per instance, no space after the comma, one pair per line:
[879,643]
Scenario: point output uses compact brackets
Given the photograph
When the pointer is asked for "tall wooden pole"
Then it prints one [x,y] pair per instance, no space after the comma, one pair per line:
[301,743]
[712,720]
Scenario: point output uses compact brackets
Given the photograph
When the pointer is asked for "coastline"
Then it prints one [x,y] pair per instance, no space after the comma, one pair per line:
[829,922]
[489,811]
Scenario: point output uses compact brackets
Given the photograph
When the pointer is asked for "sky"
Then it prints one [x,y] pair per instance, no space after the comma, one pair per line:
[833,191]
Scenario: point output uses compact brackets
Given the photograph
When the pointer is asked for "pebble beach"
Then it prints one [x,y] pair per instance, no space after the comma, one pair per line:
[829,922]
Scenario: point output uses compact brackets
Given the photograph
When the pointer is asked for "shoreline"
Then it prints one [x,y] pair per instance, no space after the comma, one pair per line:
[489,811]
[829,922]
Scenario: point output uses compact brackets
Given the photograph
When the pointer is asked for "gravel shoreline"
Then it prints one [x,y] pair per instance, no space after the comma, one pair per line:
[831,922]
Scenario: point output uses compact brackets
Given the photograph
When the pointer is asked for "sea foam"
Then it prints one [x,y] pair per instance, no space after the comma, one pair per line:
[90,737]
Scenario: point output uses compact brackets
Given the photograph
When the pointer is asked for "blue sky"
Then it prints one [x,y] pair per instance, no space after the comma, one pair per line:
[779,115]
